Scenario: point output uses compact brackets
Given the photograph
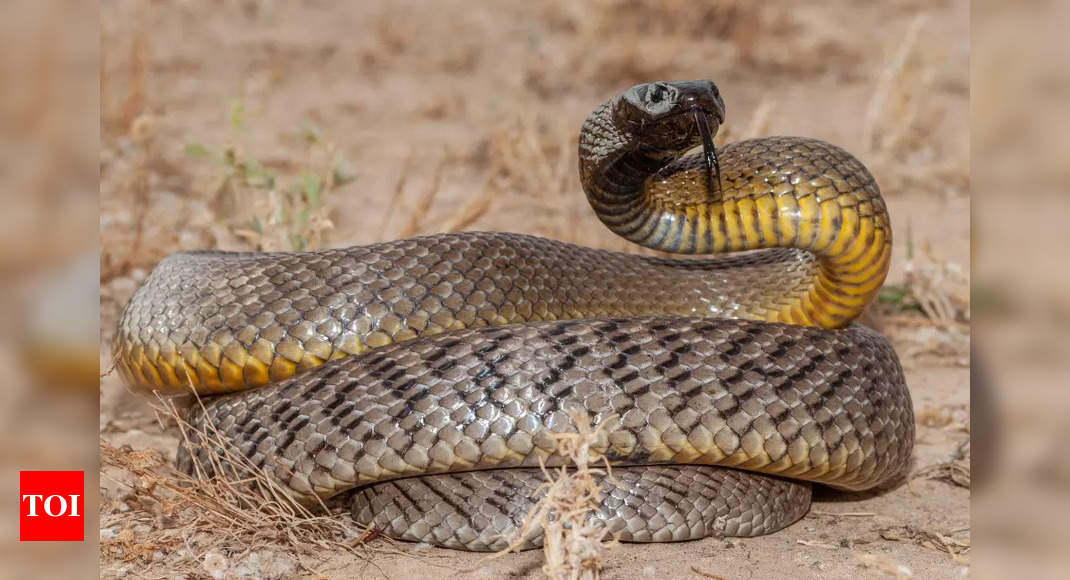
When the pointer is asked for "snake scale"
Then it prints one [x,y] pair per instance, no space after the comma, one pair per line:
[722,386]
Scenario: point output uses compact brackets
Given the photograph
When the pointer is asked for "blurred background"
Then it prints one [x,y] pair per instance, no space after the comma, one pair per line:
[49,330]
[1021,287]
[267,125]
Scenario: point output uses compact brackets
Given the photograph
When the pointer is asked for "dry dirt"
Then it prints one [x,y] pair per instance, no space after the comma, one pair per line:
[378,120]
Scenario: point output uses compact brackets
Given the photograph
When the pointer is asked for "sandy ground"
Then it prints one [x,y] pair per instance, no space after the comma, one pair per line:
[413,120]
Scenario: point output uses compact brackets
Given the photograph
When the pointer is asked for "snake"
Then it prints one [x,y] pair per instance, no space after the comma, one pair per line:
[423,382]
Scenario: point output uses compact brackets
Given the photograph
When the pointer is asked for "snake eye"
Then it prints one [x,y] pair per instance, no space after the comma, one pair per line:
[657,95]
[650,100]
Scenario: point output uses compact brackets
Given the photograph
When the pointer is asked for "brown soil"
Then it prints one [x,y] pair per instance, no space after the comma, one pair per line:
[405,119]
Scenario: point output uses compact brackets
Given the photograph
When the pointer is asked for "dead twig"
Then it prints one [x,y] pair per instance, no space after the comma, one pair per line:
[573,547]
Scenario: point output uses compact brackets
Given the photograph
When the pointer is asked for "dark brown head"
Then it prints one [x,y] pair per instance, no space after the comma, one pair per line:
[666,115]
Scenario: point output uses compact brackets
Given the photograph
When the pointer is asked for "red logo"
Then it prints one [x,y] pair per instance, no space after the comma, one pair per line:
[51,506]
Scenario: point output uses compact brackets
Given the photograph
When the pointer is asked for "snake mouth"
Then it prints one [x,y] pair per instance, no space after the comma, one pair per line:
[697,109]
[692,110]
[701,122]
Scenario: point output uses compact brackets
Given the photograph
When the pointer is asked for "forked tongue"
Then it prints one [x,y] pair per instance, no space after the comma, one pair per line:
[708,150]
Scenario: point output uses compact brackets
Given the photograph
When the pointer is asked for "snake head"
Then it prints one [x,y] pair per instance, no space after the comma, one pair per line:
[662,115]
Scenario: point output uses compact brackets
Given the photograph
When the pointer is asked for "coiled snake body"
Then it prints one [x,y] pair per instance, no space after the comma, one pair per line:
[722,386]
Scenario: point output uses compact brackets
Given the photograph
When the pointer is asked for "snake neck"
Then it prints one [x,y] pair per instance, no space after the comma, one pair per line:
[790,194]
[614,163]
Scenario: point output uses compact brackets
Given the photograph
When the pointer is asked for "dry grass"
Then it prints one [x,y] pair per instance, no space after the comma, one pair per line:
[956,547]
[704,574]
[231,518]
[954,471]
[424,216]
[928,313]
[236,521]
[420,212]
[898,125]
[596,43]
[573,547]
[939,289]
[279,206]
[531,162]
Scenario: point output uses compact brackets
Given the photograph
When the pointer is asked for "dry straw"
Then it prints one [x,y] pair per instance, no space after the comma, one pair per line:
[574,546]
[227,506]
